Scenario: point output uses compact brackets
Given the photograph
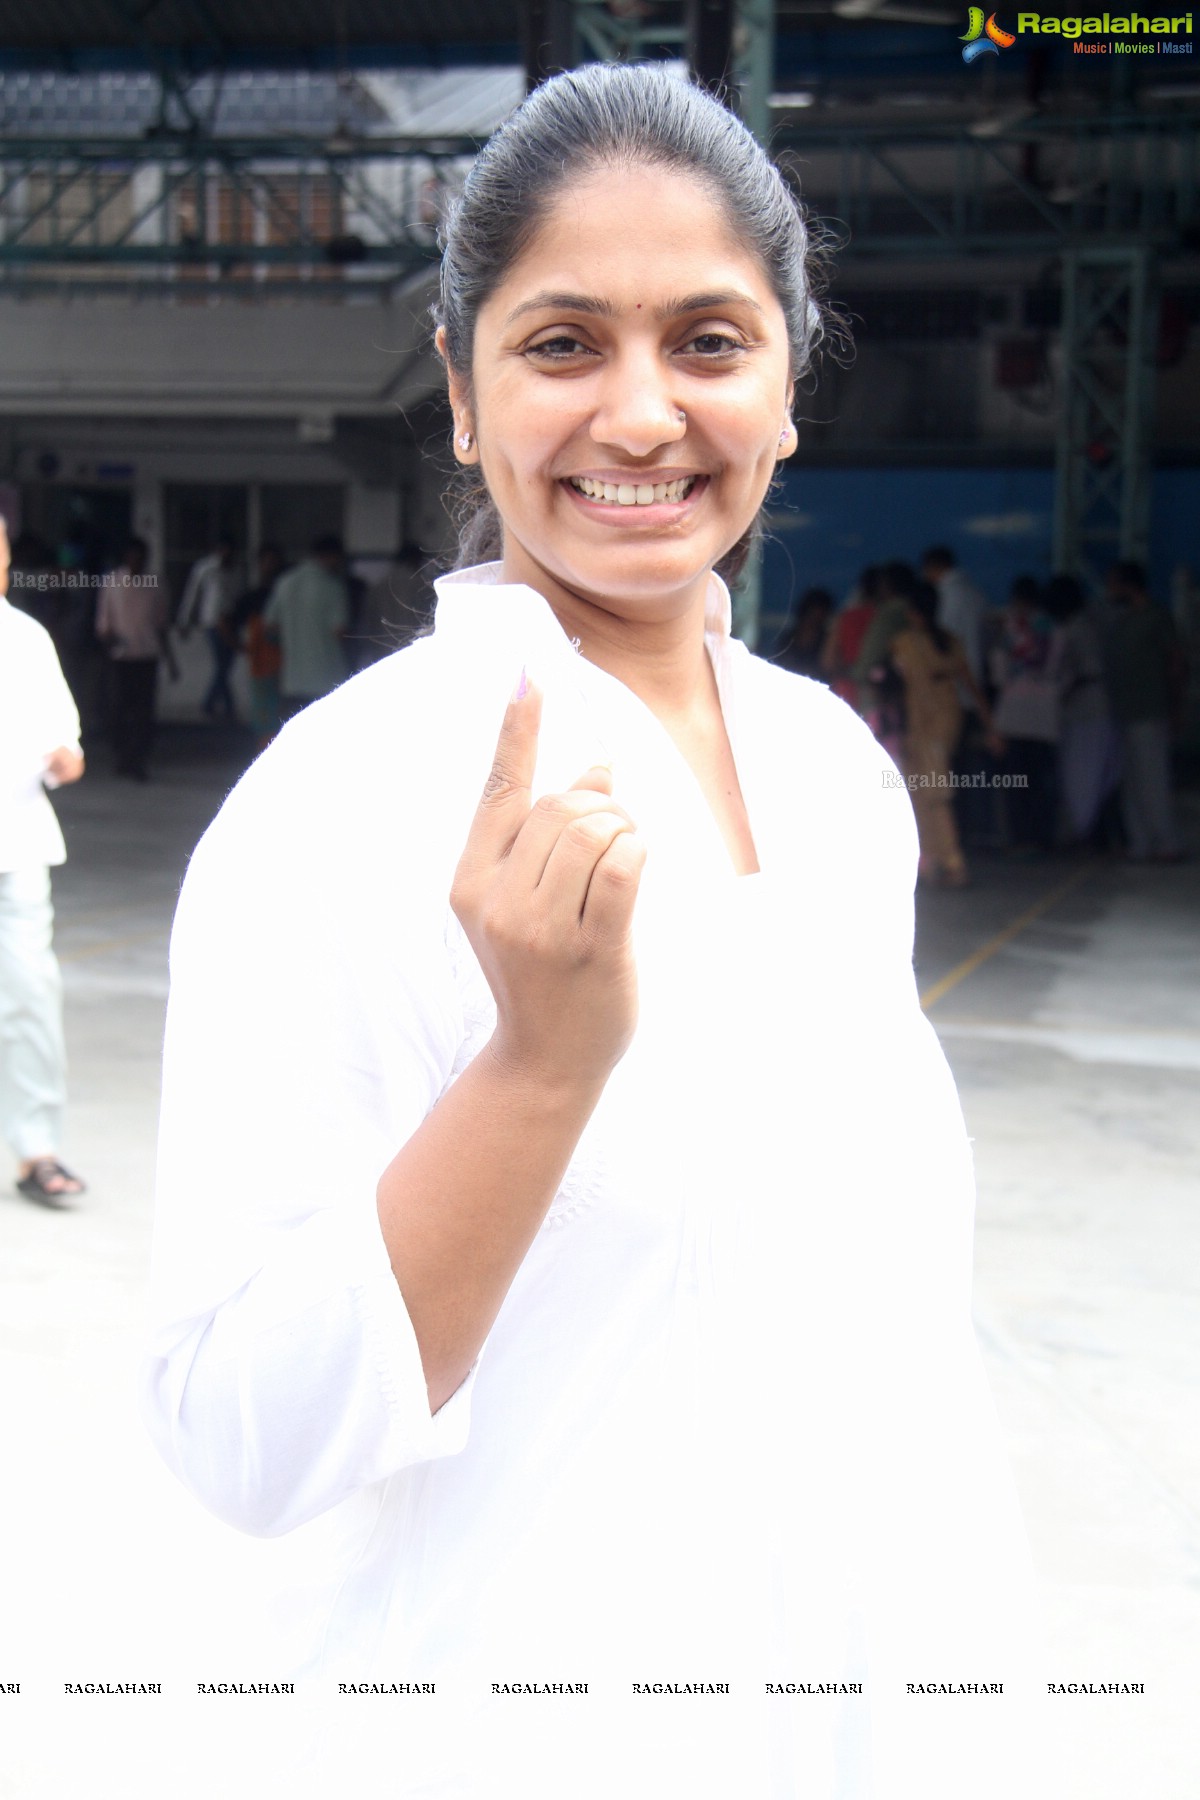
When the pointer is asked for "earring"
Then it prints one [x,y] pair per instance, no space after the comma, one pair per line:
[465,441]
[783,436]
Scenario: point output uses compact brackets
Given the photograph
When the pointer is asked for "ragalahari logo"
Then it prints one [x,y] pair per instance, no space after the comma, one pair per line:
[984,38]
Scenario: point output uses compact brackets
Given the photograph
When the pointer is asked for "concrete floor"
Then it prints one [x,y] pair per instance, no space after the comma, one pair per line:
[1076,1046]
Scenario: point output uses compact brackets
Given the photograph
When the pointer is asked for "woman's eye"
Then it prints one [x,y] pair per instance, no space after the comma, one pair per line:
[713,343]
[558,349]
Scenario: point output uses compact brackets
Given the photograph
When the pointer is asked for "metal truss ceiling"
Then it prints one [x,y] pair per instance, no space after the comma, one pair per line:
[925,191]
[954,190]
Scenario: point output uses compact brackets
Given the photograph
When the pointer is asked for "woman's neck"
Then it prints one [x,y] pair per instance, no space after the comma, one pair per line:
[661,658]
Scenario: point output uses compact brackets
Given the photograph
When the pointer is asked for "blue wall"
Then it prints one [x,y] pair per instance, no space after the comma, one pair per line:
[826,524]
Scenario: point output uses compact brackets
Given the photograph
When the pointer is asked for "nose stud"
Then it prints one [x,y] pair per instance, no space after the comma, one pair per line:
[681,415]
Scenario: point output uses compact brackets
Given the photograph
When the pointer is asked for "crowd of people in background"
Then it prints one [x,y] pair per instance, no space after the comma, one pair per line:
[302,628]
[1041,724]
[104,633]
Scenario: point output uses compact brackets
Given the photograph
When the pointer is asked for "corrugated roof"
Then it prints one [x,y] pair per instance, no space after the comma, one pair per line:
[469,102]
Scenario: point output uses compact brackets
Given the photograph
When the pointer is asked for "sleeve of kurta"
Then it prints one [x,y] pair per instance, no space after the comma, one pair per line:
[310,1029]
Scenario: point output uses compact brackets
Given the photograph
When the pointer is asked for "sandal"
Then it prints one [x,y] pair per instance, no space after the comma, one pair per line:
[39,1184]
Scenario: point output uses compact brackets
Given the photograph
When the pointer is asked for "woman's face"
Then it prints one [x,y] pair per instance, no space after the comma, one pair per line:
[630,384]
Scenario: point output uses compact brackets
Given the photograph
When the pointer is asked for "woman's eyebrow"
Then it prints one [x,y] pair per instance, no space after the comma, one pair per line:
[555,302]
[605,309]
[709,303]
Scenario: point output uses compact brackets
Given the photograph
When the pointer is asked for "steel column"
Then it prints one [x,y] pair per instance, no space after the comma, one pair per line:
[1109,339]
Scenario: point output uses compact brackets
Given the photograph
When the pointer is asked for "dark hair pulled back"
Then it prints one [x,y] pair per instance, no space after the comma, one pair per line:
[612,114]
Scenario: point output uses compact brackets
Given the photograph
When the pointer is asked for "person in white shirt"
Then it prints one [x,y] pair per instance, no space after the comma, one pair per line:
[962,606]
[131,621]
[207,602]
[521,1248]
[39,748]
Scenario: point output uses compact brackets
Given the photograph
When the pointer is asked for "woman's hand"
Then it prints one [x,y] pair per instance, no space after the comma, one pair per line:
[545,892]
[63,766]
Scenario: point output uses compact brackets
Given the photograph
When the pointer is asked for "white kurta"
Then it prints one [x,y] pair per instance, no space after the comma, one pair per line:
[729,1426]
[37,716]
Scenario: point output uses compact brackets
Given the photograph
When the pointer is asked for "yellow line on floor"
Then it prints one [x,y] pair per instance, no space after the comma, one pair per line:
[969,965]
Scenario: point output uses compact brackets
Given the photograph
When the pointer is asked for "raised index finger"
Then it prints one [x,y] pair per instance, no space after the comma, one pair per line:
[504,804]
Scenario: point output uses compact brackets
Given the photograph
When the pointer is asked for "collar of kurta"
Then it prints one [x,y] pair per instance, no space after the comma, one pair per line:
[532,612]
[493,630]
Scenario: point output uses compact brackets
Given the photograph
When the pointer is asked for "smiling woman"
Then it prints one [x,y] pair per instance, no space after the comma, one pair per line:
[630,168]
[676,376]
[517,1217]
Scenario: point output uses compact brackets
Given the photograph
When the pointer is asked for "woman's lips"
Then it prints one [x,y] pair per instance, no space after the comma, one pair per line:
[635,501]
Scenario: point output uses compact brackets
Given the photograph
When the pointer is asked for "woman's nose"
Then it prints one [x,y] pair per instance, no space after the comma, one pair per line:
[637,410]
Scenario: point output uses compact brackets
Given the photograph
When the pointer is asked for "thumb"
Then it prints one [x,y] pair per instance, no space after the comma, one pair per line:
[596,780]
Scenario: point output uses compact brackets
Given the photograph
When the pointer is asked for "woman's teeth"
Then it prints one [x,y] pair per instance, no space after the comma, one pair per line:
[628,493]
